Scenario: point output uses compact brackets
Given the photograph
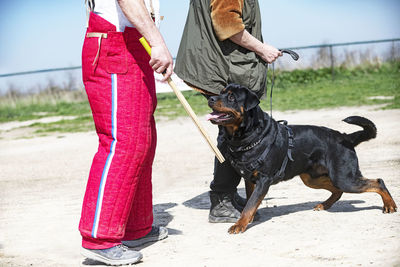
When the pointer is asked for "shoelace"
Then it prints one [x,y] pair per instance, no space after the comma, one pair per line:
[123,247]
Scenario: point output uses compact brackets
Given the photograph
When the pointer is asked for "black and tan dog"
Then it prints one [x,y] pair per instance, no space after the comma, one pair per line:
[266,152]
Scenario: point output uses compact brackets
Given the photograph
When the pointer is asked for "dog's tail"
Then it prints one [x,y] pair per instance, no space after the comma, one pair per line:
[368,133]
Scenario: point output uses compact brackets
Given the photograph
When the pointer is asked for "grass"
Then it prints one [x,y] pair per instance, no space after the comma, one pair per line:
[295,90]
[50,102]
[348,89]
[30,111]
[80,124]
[312,89]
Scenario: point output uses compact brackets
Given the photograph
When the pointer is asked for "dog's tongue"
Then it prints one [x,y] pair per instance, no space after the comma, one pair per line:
[213,115]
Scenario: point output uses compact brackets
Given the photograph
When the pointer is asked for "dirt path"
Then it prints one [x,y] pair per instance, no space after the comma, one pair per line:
[42,182]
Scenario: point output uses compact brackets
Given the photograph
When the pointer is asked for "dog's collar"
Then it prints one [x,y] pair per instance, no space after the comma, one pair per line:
[255,137]
[247,147]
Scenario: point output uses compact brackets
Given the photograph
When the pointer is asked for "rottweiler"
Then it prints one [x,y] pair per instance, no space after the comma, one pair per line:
[266,152]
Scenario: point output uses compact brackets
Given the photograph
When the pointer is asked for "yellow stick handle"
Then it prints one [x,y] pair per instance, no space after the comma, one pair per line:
[188,108]
[146,45]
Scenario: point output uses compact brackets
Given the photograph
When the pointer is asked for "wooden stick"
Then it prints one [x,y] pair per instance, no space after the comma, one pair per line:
[188,108]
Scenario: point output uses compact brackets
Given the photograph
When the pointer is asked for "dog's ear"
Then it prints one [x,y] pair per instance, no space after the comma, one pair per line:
[251,100]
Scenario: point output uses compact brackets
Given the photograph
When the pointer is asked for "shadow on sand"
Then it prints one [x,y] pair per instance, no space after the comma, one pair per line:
[161,218]
[202,201]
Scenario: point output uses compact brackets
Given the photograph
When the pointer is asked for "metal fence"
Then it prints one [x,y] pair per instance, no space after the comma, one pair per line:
[323,50]
[38,71]
[332,58]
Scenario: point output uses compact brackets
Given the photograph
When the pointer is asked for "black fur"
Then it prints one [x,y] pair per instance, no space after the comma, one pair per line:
[323,157]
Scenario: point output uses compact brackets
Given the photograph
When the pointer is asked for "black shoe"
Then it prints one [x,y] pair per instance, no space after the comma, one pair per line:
[222,208]
[239,202]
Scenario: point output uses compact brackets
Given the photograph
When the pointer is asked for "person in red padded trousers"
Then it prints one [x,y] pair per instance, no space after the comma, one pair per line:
[118,75]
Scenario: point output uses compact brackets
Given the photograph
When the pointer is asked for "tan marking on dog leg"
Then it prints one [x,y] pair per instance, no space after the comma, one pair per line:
[246,217]
[329,202]
[373,185]
[248,213]
[322,182]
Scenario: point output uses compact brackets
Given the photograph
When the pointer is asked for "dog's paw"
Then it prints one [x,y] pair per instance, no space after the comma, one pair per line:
[319,207]
[237,228]
[389,208]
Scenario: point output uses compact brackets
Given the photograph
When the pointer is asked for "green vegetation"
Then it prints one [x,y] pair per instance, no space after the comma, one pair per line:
[312,89]
[298,89]
[31,110]
[79,124]
[315,89]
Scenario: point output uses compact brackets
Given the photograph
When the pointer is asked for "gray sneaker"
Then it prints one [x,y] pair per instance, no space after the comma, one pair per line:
[156,234]
[118,255]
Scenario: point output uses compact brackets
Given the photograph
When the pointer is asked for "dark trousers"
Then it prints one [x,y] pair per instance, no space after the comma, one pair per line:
[226,179]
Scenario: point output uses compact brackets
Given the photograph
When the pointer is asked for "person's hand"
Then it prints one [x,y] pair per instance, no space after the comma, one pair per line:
[161,61]
[269,53]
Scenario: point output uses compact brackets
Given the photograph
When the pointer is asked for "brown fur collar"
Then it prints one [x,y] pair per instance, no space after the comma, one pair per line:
[226,17]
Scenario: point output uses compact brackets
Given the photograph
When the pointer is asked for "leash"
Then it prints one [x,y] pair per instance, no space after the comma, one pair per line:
[295,57]
[281,173]
[272,87]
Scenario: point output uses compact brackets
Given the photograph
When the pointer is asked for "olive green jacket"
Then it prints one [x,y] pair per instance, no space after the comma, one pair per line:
[207,58]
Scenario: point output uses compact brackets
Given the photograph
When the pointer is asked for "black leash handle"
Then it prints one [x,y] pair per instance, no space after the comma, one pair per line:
[293,54]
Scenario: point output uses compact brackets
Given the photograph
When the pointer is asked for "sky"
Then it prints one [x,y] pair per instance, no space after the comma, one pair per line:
[49,34]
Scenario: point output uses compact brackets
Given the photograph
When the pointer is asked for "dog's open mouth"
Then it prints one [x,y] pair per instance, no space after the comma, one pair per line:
[217,117]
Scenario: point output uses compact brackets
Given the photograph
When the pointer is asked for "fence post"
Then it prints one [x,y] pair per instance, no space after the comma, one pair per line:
[393,52]
[332,62]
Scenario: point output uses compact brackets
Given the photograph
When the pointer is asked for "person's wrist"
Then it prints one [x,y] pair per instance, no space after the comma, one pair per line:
[259,49]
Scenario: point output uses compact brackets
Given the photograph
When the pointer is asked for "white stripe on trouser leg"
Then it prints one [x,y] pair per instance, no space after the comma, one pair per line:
[110,155]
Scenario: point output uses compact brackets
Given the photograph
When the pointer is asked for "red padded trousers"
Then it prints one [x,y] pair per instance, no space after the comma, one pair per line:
[121,90]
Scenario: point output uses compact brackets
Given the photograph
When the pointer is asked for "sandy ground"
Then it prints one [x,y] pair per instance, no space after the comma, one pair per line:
[42,182]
